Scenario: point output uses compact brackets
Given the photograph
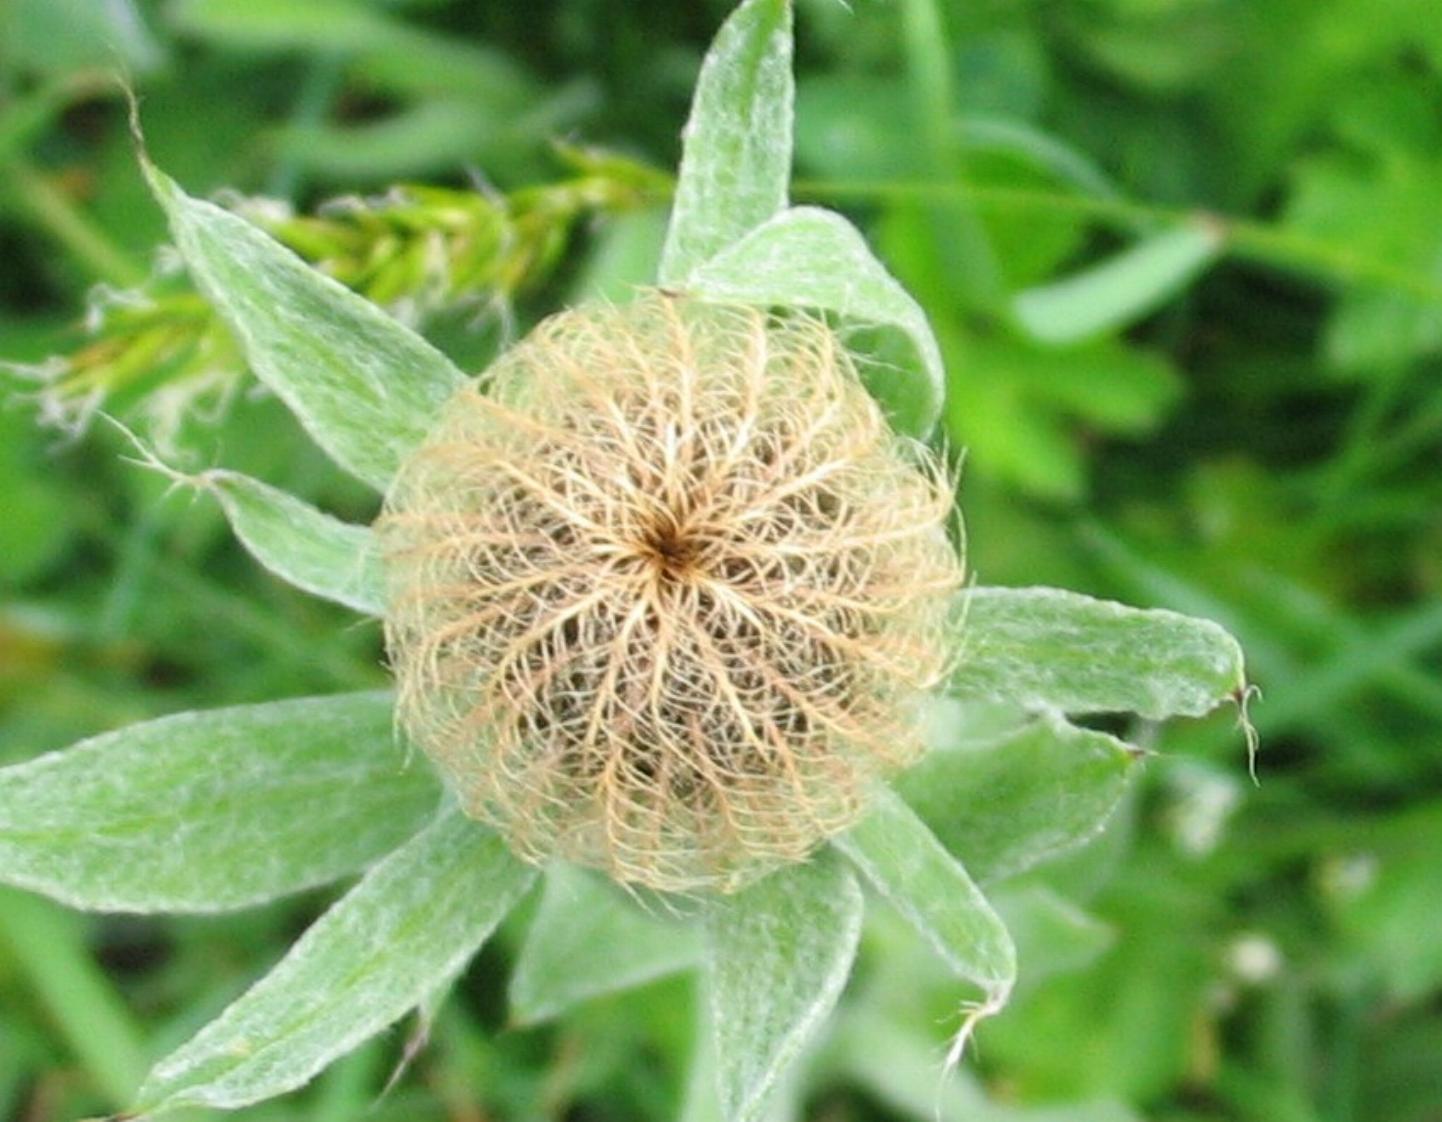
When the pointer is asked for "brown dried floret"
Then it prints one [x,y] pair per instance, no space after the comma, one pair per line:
[662,599]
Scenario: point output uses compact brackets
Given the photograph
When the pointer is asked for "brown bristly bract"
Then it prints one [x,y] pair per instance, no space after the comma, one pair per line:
[662,600]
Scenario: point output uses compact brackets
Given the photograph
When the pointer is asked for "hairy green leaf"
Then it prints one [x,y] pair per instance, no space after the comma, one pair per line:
[407,927]
[618,946]
[778,954]
[1046,648]
[205,811]
[301,545]
[1119,291]
[366,388]
[814,258]
[1008,801]
[930,888]
[736,159]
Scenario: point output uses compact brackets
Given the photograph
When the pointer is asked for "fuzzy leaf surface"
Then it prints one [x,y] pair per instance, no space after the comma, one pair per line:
[1121,290]
[365,387]
[201,812]
[931,889]
[815,258]
[305,547]
[777,956]
[1009,801]
[403,931]
[1044,648]
[736,151]
[618,946]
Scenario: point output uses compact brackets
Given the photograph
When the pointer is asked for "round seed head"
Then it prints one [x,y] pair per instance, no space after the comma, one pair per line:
[661,601]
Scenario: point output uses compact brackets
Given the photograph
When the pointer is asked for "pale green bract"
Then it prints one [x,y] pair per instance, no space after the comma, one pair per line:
[207,811]
[815,258]
[304,546]
[1013,799]
[366,388]
[202,812]
[736,161]
[1045,648]
[409,925]
[777,955]
[615,947]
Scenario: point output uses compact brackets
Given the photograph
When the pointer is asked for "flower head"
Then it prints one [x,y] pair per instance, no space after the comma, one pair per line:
[661,600]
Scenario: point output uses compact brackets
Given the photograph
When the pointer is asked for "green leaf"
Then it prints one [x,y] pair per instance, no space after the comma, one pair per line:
[778,954]
[199,812]
[1045,648]
[1119,291]
[1007,802]
[814,258]
[365,387]
[736,155]
[618,946]
[304,546]
[407,927]
[930,888]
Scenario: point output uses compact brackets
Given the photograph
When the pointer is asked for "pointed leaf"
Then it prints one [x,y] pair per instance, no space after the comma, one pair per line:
[1122,290]
[814,258]
[618,946]
[929,887]
[1007,802]
[778,955]
[1046,648]
[200,812]
[736,155]
[304,546]
[365,387]
[409,925]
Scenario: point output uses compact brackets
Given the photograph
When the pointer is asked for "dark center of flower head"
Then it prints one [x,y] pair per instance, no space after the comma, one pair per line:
[660,603]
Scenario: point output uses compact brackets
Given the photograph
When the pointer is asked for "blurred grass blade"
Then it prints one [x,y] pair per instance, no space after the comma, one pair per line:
[45,947]
[815,258]
[201,812]
[619,946]
[736,156]
[1011,801]
[364,386]
[1118,292]
[778,955]
[1044,648]
[410,924]
[304,546]
[929,887]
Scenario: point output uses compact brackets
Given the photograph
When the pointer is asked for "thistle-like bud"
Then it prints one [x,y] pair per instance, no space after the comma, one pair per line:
[662,599]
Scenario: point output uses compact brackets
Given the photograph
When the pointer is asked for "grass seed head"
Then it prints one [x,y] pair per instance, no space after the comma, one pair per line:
[662,599]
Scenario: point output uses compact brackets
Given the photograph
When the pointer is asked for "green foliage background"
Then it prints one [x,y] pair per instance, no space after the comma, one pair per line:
[1250,429]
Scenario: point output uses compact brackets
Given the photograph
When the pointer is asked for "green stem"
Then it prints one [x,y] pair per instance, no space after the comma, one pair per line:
[1243,238]
[56,213]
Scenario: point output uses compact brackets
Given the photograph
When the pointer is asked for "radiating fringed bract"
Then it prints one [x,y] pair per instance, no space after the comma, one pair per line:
[663,597]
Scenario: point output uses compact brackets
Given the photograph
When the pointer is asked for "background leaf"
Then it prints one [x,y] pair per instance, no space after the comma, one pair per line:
[778,954]
[1045,648]
[213,810]
[1119,291]
[365,387]
[409,925]
[736,159]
